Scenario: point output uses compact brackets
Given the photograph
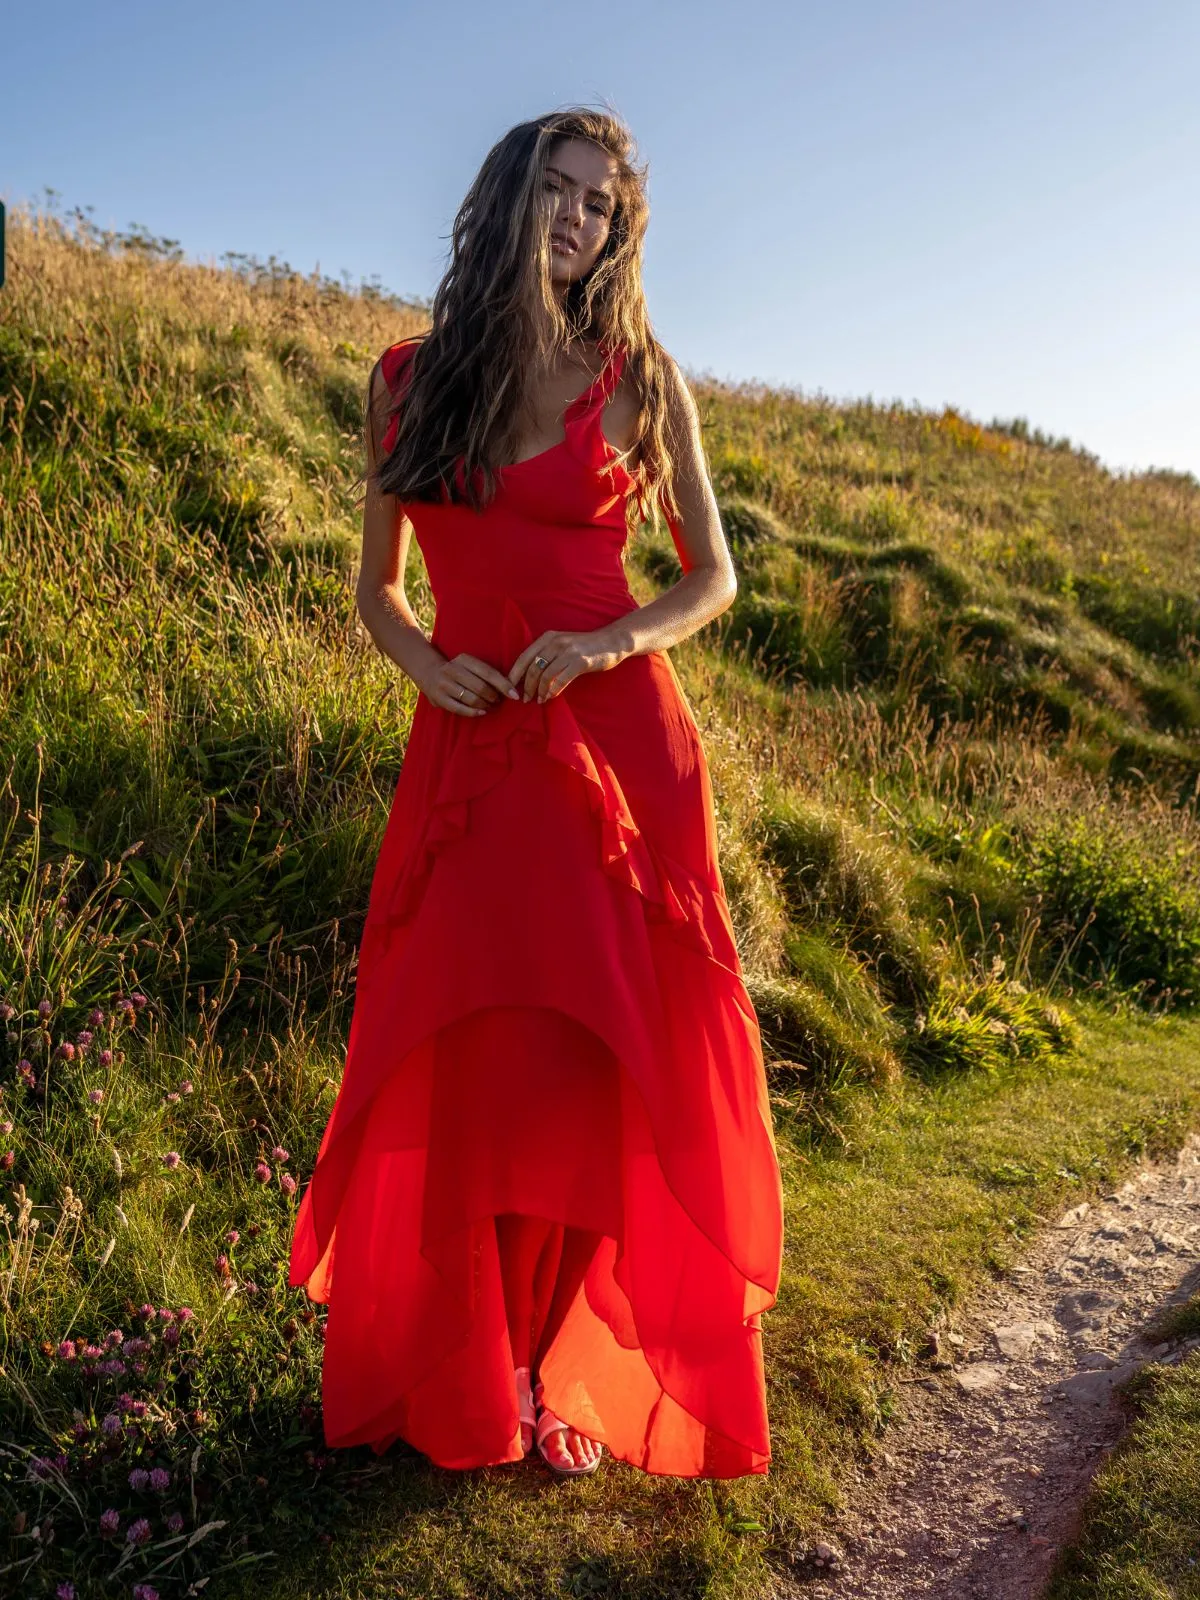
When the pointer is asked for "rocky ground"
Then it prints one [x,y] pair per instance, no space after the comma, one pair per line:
[986,1472]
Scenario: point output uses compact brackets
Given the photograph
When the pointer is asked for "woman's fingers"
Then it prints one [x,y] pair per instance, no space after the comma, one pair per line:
[470,686]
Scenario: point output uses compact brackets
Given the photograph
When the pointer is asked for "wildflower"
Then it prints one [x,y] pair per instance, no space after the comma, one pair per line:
[233,1236]
[6,1126]
[136,1346]
[146,1311]
[171,1335]
[250,1286]
[139,1478]
[26,1073]
[6,1011]
[114,1336]
[66,1350]
[222,1264]
[106,1058]
[65,1591]
[84,1038]
[96,1017]
[186,1086]
[287,1183]
[66,1050]
[39,1466]
[61,1462]
[44,1008]
[111,1423]
[171,1095]
[139,999]
[171,1159]
[160,1480]
[7,1159]
[110,1521]
[175,1522]
[95,1096]
[144,1591]
[137,1532]
[125,1006]
[279,1153]
[137,1408]
[166,1314]
[80,1430]
[262,1172]
[114,1367]
[185,1313]
[93,1352]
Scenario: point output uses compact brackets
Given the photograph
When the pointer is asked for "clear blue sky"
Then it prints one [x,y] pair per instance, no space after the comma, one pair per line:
[993,207]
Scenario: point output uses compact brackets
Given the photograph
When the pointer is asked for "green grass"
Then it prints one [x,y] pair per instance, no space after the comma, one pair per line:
[952,728]
[1140,1538]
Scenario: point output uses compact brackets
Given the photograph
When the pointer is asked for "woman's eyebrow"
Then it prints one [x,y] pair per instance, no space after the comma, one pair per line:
[603,193]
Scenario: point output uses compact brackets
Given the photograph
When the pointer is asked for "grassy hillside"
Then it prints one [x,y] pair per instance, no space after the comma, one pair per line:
[953,721]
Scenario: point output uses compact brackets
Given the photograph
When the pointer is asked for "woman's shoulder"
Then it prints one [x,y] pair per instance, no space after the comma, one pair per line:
[396,357]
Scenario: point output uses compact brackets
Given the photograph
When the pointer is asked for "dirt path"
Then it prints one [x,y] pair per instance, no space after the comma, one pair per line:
[984,1476]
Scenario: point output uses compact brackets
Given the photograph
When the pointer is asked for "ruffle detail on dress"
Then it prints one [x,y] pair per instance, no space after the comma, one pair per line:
[481,757]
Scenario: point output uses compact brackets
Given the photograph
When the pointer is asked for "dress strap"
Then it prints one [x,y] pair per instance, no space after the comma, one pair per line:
[394,363]
[600,390]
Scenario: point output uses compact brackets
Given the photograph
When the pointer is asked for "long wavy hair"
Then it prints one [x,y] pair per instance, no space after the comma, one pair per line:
[497,323]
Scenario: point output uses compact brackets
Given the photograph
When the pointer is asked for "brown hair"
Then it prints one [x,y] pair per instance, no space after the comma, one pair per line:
[496,319]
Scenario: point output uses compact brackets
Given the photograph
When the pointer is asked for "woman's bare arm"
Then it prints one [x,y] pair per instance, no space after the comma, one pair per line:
[386,536]
[709,582]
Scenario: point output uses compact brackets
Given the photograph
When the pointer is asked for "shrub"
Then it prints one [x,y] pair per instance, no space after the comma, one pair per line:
[1123,904]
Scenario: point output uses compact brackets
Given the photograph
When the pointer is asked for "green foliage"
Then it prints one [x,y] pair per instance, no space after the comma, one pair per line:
[975,1026]
[1126,908]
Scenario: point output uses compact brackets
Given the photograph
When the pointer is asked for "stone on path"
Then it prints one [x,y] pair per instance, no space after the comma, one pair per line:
[980,1375]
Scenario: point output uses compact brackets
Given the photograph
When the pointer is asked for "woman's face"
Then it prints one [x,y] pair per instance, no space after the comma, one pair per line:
[581,196]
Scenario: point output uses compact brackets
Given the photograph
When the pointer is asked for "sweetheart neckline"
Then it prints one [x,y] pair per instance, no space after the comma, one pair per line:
[581,400]
[561,444]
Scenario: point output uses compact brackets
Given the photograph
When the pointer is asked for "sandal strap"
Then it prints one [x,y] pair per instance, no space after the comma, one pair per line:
[525,1405]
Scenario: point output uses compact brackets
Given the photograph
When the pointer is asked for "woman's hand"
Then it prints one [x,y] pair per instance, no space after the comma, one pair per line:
[467,685]
[566,655]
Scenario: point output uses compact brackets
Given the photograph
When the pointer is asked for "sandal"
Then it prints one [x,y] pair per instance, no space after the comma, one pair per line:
[548,1423]
[528,1416]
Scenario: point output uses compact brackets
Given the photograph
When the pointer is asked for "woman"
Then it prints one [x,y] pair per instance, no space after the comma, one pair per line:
[546,1207]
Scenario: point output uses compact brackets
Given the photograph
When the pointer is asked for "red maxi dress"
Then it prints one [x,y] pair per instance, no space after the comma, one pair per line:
[550,1019]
